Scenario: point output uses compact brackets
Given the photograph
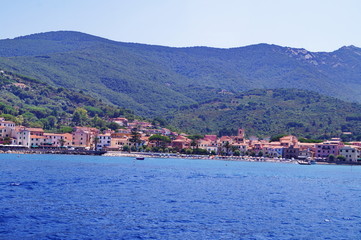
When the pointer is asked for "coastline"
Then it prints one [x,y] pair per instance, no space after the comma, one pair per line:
[163,155]
[200,157]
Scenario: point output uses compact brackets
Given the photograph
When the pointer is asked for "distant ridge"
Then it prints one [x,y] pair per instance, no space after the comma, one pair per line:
[153,80]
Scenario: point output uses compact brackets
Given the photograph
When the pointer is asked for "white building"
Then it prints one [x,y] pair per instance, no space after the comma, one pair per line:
[7,128]
[351,153]
[23,138]
[104,140]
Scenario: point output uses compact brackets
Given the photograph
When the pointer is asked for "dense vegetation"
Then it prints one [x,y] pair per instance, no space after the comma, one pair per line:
[33,103]
[271,112]
[151,80]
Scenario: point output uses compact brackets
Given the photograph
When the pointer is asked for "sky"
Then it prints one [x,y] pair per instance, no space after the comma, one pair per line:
[316,25]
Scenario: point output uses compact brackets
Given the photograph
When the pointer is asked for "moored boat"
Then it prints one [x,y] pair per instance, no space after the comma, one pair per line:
[311,162]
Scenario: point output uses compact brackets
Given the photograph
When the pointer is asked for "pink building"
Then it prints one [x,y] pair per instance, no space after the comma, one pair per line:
[323,150]
[84,137]
[58,140]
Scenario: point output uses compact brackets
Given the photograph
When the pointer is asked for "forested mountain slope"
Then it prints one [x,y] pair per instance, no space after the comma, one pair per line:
[269,112]
[152,80]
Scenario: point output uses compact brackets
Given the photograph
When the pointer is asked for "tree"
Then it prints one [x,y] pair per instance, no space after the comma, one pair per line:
[65,129]
[189,151]
[96,141]
[113,126]
[234,149]
[98,122]
[277,137]
[236,153]
[331,157]
[62,142]
[51,121]
[19,120]
[135,138]
[80,116]
[126,148]
[227,146]
[195,140]
[160,140]
[341,158]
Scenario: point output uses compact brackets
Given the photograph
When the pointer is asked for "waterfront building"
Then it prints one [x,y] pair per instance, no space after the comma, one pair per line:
[84,137]
[351,153]
[104,141]
[58,139]
[323,150]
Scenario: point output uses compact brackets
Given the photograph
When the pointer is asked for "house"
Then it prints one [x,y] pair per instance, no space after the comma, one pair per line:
[58,139]
[275,151]
[7,128]
[84,137]
[37,141]
[323,150]
[118,142]
[20,85]
[291,152]
[166,131]
[22,137]
[104,141]
[351,153]
[29,137]
[208,144]
[181,142]
[288,141]
[3,133]
[36,131]
[242,147]
[211,137]
[123,122]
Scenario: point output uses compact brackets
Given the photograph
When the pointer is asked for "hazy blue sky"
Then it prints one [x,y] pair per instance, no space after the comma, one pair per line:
[317,25]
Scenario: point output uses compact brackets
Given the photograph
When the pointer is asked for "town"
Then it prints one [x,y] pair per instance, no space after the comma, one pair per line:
[141,136]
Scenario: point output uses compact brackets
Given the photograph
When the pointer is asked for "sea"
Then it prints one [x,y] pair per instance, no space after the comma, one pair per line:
[97,197]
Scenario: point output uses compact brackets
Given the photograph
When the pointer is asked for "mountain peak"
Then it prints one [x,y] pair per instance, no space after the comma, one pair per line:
[63,36]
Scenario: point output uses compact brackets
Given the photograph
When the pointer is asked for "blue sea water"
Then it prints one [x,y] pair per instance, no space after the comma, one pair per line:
[87,197]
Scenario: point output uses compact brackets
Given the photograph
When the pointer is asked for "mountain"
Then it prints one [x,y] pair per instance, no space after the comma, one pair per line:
[33,103]
[269,112]
[151,80]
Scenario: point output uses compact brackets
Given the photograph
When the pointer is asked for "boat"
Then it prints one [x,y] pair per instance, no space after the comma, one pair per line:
[311,162]
[139,158]
[303,162]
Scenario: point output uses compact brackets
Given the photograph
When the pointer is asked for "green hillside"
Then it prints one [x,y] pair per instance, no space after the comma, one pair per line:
[151,80]
[33,103]
[271,112]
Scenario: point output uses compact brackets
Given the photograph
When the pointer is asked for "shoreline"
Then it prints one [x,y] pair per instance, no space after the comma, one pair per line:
[199,157]
[164,155]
